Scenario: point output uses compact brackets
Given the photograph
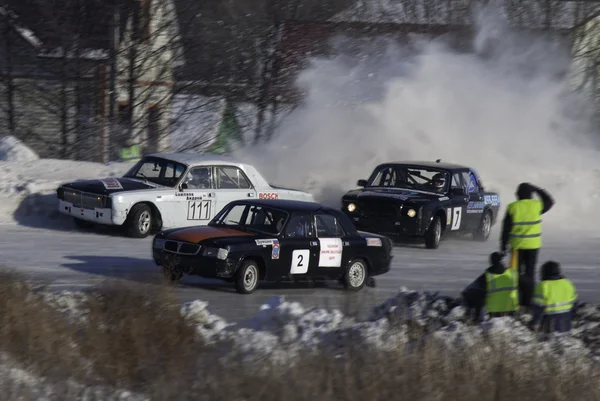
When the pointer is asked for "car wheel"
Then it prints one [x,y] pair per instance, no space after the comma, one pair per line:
[247,277]
[485,227]
[82,224]
[172,274]
[434,233]
[139,221]
[356,275]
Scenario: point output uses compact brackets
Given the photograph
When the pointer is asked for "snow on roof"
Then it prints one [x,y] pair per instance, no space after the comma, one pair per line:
[196,121]
[527,13]
[27,34]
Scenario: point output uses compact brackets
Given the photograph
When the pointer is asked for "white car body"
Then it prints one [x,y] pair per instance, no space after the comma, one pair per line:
[109,201]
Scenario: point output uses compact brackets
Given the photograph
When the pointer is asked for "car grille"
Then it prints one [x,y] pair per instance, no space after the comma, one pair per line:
[83,199]
[181,248]
[379,208]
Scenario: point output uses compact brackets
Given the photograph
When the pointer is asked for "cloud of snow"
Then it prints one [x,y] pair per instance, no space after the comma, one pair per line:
[505,108]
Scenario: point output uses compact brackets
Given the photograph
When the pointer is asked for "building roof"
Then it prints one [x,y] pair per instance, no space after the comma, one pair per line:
[196,158]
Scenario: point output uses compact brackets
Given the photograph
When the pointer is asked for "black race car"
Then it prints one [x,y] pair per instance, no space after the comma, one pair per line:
[422,199]
[274,240]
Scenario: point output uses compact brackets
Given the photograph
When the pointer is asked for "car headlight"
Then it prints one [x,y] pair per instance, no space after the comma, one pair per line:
[411,213]
[219,253]
[159,243]
[351,207]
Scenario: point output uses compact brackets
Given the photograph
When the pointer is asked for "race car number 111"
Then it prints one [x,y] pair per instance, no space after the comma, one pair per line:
[199,210]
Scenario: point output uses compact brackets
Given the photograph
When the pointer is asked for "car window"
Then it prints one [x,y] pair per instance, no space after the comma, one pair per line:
[231,178]
[456,183]
[299,226]
[199,178]
[232,217]
[327,226]
[157,170]
[403,176]
[471,182]
[257,218]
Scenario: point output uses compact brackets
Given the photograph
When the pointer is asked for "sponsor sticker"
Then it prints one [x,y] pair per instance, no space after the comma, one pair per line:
[275,251]
[443,198]
[374,242]
[111,183]
[266,242]
[268,195]
[331,252]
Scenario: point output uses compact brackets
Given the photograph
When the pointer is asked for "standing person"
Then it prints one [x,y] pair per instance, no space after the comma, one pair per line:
[553,300]
[130,152]
[497,289]
[522,229]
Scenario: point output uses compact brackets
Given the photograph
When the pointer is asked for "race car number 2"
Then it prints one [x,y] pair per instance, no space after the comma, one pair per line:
[199,210]
[268,195]
[300,259]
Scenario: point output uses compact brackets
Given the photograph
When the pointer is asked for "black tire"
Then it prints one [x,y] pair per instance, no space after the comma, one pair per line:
[172,275]
[247,277]
[356,275]
[139,221]
[434,233]
[82,224]
[485,227]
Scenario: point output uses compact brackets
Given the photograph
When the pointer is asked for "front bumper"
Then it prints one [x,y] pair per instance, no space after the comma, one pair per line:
[94,215]
[393,226]
[196,265]
[382,266]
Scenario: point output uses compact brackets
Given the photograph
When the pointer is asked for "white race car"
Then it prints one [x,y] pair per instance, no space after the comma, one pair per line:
[167,190]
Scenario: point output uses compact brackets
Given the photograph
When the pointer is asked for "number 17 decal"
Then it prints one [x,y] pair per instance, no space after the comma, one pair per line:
[300,259]
[456,217]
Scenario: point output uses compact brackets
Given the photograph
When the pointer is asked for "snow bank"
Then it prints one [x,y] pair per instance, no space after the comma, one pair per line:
[13,150]
[282,330]
[28,187]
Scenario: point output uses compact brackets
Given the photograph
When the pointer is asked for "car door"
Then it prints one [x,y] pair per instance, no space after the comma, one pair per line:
[330,242]
[194,201]
[299,249]
[230,183]
[455,221]
[474,209]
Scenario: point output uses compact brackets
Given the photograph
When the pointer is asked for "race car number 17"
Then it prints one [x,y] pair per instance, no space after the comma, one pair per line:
[199,210]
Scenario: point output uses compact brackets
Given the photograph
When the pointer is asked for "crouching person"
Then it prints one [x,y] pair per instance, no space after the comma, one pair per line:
[553,301]
[496,290]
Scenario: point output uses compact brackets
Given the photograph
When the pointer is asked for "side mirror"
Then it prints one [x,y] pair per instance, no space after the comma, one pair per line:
[458,191]
[362,183]
[183,186]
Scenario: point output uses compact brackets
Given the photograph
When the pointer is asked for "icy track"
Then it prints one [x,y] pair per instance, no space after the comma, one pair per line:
[73,260]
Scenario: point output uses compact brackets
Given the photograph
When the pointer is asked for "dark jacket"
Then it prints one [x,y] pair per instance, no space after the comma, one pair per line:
[525,191]
[560,322]
[475,293]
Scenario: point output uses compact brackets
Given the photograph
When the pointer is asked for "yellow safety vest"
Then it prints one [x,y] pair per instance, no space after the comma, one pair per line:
[502,291]
[526,231]
[131,153]
[555,296]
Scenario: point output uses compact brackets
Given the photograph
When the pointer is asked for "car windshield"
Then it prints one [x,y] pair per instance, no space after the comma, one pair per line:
[251,218]
[158,171]
[409,177]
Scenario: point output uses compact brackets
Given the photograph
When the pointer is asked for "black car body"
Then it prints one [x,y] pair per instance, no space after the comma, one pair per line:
[399,200]
[274,240]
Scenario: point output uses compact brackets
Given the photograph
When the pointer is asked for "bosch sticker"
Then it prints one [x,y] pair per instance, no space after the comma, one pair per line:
[268,195]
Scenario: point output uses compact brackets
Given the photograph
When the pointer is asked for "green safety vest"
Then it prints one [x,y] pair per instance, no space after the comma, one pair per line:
[502,291]
[526,231]
[131,153]
[555,296]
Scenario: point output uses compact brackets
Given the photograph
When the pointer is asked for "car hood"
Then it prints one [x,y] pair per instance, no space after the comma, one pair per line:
[396,194]
[197,234]
[107,186]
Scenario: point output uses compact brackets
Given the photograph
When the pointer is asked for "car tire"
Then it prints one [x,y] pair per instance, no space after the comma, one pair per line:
[356,275]
[485,227]
[139,221]
[82,224]
[434,233]
[246,279]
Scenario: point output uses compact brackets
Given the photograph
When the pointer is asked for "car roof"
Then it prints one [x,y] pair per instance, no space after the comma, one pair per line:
[430,164]
[288,205]
[197,158]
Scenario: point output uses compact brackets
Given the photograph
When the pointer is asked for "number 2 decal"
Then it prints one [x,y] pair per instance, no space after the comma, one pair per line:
[300,258]
[456,217]
[198,210]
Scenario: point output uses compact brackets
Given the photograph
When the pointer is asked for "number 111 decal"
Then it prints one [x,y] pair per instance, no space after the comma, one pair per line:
[199,210]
